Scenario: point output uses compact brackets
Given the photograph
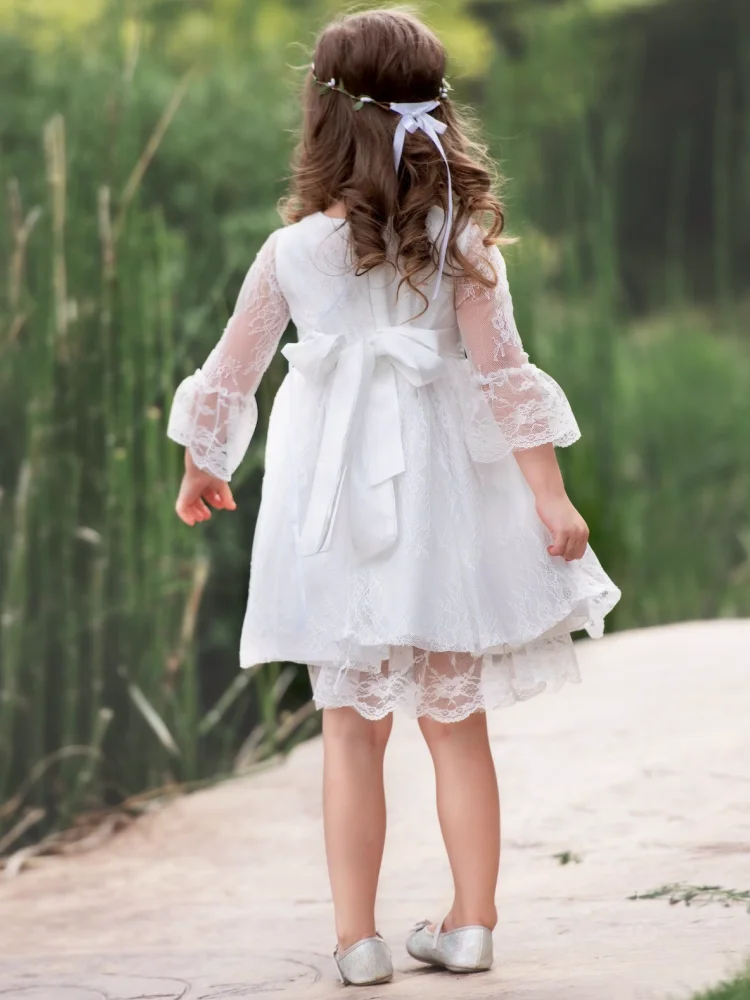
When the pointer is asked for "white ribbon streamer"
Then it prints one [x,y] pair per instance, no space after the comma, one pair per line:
[359,377]
[413,117]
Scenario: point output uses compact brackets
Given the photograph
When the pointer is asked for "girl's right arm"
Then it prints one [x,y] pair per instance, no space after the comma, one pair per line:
[214,413]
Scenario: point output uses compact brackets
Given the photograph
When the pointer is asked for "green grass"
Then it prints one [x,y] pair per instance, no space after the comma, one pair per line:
[697,895]
[734,989]
[101,587]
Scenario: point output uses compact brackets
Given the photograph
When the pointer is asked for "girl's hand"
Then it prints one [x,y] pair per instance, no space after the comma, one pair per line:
[198,489]
[570,533]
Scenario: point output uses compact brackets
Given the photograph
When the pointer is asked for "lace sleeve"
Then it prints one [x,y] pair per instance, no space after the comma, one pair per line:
[530,407]
[214,412]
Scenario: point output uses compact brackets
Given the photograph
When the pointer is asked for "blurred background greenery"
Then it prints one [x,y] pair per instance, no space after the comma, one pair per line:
[143,147]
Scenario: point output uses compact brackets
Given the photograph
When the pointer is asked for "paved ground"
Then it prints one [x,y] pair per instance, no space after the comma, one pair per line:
[643,771]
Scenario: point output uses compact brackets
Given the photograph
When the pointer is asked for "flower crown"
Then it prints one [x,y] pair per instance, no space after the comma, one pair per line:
[326,86]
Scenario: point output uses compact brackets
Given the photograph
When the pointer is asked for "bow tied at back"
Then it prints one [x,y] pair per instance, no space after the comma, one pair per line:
[361,436]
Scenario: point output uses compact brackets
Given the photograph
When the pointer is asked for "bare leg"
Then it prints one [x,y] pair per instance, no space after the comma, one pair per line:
[469,812]
[354,817]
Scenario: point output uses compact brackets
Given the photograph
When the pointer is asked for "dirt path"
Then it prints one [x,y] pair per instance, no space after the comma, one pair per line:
[643,771]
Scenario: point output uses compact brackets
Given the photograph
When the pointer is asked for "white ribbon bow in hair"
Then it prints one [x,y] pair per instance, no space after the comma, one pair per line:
[413,117]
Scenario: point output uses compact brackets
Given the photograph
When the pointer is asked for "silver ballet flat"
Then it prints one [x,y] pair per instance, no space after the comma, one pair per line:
[465,949]
[365,963]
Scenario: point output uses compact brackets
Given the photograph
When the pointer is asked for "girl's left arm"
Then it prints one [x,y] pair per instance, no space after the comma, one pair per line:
[529,407]
[214,413]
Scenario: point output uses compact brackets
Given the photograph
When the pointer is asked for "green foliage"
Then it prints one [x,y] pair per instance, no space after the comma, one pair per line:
[697,895]
[100,585]
[686,472]
[141,166]
[735,989]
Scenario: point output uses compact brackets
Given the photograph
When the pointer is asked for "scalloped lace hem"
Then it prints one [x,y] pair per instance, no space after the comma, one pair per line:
[447,686]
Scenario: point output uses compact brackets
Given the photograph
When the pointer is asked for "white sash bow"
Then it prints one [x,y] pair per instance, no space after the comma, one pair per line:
[361,436]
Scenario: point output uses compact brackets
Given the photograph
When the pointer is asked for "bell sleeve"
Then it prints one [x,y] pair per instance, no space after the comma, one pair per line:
[529,407]
[214,413]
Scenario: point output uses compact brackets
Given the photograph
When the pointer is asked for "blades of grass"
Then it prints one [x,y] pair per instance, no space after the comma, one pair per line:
[54,148]
[248,751]
[147,711]
[12,622]
[181,665]
[70,659]
[151,148]
[21,230]
[201,569]
[125,488]
[149,448]
[225,702]
[37,772]
[267,678]
[87,773]
[261,744]
[29,819]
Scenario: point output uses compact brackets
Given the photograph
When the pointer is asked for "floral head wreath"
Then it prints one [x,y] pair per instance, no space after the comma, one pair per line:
[413,116]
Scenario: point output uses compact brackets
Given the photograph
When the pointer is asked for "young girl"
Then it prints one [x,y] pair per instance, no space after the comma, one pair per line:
[415,546]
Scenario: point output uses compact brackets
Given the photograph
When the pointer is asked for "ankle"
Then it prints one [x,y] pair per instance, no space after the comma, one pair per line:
[349,936]
[471,916]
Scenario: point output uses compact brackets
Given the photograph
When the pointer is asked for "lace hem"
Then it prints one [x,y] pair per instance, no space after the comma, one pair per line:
[447,687]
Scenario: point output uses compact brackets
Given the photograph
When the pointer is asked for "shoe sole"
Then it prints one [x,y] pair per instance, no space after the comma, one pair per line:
[370,982]
[436,964]
[467,971]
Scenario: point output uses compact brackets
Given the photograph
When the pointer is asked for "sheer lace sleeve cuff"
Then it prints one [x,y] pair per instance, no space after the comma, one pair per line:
[529,407]
[214,412]
[217,425]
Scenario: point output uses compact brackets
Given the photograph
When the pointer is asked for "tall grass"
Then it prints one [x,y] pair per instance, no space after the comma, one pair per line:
[97,575]
[100,585]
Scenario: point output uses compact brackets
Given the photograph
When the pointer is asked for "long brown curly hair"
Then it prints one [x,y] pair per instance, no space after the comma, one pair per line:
[345,152]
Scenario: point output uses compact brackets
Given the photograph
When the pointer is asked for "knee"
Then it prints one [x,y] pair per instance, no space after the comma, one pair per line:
[346,726]
[438,734]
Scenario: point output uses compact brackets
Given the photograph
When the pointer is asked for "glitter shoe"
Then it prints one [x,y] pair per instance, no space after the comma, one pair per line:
[367,962]
[465,949]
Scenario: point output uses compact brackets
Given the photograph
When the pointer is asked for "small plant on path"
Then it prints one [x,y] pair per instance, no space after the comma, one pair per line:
[681,892]
[568,858]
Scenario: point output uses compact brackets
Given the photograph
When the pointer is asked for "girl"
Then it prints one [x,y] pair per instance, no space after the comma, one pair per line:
[415,546]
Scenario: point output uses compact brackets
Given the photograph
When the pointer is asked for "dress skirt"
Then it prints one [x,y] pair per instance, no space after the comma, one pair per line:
[463,612]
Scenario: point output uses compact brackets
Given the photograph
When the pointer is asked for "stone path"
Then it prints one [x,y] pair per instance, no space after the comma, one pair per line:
[643,772]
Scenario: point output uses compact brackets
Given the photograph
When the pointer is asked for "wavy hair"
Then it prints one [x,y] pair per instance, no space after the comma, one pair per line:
[346,153]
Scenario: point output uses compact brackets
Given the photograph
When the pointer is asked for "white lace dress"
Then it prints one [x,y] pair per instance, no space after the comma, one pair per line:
[397,552]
